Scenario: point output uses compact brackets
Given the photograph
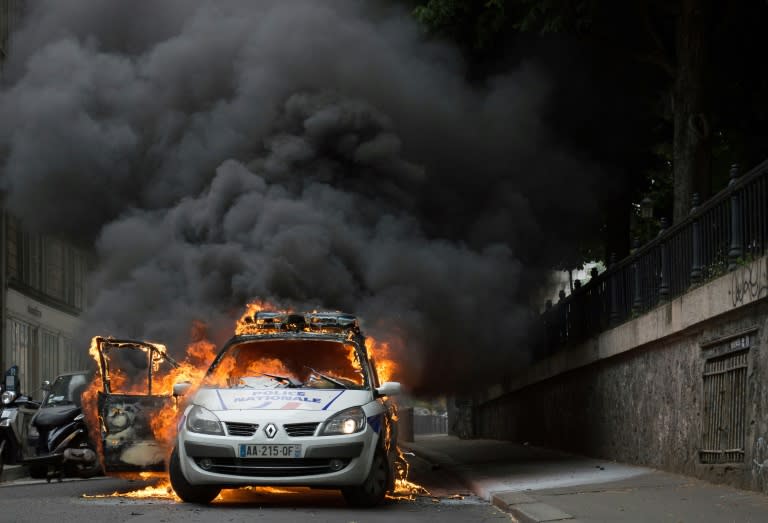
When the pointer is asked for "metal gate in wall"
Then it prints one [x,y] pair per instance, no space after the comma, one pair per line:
[40,354]
[725,405]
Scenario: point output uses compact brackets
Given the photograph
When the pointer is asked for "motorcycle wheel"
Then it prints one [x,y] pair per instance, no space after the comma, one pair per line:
[2,457]
[90,470]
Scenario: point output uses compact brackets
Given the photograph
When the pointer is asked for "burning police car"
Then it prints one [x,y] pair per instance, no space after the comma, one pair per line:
[292,399]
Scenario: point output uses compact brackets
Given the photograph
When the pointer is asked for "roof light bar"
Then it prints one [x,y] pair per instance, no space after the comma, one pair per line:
[271,321]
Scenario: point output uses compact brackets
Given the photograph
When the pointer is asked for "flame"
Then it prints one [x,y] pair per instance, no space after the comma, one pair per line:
[381,352]
[163,490]
[251,309]
[222,376]
[90,404]
[192,369]
[407,490]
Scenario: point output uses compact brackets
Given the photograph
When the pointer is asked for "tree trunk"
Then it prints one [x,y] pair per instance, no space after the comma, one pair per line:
[617,235]
[691,144]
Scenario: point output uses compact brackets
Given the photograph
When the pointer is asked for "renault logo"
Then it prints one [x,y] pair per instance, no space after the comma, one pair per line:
[270,430]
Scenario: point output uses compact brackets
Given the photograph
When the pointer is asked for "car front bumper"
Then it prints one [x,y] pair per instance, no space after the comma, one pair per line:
[327,461]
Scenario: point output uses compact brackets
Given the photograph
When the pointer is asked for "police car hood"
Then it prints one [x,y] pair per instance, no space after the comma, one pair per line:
[293,400]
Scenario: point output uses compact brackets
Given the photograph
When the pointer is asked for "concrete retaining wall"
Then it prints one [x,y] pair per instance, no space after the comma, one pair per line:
[636,393]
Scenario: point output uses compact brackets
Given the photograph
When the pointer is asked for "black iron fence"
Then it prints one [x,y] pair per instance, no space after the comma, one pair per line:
[728,230]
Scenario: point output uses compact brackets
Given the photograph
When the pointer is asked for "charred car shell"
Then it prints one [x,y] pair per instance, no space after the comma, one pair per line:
[125,412]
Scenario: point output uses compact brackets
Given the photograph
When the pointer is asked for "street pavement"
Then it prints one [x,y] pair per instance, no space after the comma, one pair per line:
[526,483]
[538,485]
[23,500]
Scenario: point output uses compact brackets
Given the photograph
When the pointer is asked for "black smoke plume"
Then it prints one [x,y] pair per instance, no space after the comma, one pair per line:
[314,153]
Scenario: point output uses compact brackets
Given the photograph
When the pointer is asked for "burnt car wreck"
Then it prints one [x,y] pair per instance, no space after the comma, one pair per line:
[129,402]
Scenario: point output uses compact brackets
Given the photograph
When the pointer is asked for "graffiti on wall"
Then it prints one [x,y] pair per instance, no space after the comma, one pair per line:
[749,282]
[760,464]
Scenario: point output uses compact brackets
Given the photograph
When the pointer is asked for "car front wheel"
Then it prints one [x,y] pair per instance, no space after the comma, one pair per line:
[202,494]
[374,488]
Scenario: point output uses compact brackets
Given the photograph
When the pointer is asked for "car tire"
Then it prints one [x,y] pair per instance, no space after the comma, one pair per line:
[374,489]
[202,494]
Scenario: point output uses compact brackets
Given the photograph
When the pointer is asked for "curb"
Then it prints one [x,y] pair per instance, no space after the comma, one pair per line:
[13,472]
[433,456]
[526,509]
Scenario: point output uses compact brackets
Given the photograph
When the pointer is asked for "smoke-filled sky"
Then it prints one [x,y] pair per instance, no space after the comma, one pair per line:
[316,153]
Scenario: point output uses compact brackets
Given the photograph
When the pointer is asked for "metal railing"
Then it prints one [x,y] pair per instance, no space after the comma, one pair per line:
[430,424]
[728,230]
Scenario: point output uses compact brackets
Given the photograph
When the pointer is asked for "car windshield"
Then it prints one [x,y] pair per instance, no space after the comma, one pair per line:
[293,363]
[66,390]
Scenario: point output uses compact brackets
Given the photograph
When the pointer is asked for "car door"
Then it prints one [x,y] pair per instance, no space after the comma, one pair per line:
[131,402]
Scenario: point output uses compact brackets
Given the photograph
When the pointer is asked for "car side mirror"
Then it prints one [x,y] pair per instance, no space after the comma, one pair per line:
[388,388]
[181,388]
[46,386]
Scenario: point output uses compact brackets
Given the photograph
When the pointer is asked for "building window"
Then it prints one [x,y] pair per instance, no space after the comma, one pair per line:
[72,357]
[49,355]
[76,279]
[48,266]
[54,268]
[12,248]
[10,15]
[725,406]
[22,351]
[32,267]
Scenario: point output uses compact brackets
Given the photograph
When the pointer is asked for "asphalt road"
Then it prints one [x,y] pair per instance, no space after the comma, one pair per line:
[90,501]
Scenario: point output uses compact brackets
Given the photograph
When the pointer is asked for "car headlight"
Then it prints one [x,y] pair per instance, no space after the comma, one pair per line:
[8,397]
[203,421]
[345,422]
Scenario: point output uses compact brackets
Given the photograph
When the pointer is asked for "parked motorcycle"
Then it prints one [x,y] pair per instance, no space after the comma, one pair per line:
[58,433]
[17,409]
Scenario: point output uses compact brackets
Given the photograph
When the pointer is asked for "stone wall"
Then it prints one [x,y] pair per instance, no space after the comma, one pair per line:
[636,393]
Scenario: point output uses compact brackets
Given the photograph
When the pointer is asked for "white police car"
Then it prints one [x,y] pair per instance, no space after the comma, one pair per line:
[293,399]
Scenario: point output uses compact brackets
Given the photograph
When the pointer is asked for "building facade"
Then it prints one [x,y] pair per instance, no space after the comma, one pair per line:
[44,294]
[10,15]
[42,281]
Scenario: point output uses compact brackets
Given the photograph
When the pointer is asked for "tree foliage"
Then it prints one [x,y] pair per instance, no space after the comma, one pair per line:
[680,79]
[473,24]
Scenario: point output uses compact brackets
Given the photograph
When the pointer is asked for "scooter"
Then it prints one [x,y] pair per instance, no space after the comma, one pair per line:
[58,432]
[17,410]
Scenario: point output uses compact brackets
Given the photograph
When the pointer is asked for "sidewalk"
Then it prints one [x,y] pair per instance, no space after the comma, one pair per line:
[537,485]
[12,473]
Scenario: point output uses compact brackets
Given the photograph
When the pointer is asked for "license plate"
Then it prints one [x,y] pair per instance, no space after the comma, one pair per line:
[270,451]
